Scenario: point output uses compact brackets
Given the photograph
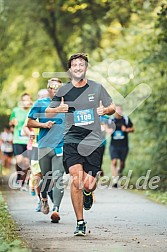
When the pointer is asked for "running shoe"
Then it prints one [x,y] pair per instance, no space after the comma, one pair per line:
[87,200]
[16,185]
[115,181]
[24,188]
[80,228]
[44,207]
[33,192]
[55,217]
[115,185]
[38,209]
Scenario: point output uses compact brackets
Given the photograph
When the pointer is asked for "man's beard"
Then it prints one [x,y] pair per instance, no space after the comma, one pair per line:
[77,78]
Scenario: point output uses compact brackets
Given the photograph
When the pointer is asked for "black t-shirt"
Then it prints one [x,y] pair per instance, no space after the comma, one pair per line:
[120,138]
[82,120]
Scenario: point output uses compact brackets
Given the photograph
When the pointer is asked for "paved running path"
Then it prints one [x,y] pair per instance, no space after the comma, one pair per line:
[119,221]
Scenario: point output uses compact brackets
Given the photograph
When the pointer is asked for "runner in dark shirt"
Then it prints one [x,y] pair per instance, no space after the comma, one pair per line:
[83,101]
[119,143]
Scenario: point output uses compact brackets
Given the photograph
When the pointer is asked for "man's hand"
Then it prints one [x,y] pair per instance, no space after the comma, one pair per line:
[13,122]
[63,108]
[48,125]
[128,130]
[123,128]
[100,109]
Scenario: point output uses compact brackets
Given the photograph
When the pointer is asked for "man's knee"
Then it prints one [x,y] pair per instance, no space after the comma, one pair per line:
[114,162]
[22,162]
[19,159]
[89,183]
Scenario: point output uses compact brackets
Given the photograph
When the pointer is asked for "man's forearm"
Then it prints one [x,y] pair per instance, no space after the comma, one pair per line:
[34,124]
[51,112]
[129,130]
[109,110]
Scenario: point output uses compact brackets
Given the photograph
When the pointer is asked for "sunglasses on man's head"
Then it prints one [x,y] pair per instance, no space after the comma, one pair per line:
[54,87]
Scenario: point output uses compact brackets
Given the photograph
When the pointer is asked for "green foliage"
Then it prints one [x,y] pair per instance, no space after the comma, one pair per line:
[158,196]
[4,119]
[161,23]
[14,246]
[38,36]
[142,48]
[9,240]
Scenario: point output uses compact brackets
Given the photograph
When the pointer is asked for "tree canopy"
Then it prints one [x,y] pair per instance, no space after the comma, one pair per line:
[39,36]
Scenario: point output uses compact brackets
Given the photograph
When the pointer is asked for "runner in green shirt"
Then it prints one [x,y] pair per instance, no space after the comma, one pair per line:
[17,119]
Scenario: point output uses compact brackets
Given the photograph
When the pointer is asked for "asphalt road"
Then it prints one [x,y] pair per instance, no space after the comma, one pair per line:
[119,221]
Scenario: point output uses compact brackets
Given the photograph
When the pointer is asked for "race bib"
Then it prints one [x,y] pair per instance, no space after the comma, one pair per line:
[83,117]
[118,135]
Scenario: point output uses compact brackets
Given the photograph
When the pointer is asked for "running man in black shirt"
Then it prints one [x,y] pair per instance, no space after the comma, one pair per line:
[83,101]
[119,143]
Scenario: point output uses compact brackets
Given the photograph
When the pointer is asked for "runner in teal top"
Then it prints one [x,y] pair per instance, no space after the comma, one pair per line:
[50,147]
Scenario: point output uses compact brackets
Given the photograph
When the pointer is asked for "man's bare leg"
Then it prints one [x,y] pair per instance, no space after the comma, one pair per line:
[76,172]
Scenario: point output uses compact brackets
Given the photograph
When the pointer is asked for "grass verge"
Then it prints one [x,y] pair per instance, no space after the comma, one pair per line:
[9,239]
[157,196]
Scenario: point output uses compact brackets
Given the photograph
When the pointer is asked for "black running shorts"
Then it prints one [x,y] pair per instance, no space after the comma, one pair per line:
[20,149]
[118,152]
[91,164]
